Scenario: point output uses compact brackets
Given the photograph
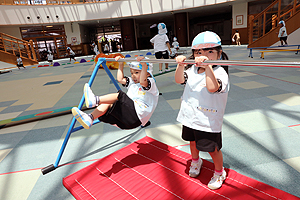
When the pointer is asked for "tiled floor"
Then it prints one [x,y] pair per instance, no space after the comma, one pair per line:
[261,129]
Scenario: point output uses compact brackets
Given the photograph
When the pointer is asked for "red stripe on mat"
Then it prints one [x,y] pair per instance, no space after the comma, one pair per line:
[148,169]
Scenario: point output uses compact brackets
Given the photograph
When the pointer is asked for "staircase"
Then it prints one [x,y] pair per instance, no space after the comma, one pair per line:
[263,28]
[11,46]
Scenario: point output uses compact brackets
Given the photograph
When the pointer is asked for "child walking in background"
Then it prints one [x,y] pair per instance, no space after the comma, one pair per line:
[203,103]
[19,62]
[161,46]
[71,53]
[127,111]
[282,33]
[237,38]
[95,49]
[175,48]
[50,57]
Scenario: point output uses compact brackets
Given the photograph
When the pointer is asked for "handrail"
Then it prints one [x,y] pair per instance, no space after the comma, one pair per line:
[265,10]
[263,22]
[49,2]
[16,46]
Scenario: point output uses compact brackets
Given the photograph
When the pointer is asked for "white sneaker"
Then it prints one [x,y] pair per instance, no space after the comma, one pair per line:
[160,71]
[217,181]
[167,70]
[90,99]
[82,118]
[195,168]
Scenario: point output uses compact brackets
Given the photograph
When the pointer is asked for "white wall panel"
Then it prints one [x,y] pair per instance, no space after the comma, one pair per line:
[17,15]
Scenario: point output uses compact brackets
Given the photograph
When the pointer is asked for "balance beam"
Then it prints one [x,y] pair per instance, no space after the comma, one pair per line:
[262,53]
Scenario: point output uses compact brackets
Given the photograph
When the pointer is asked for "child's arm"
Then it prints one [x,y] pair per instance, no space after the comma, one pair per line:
[144,73]
[120,74]
[212,84]
[179,73]
[168,44]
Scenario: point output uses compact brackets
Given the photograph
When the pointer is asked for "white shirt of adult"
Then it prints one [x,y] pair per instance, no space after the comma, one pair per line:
[282,30]
[200,109]
[160,42]
[145,101]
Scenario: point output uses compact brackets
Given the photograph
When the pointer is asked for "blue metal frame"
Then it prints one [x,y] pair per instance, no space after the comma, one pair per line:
[101,61]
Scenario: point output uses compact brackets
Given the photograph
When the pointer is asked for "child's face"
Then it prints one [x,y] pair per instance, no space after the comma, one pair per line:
[135,75]
[211,54]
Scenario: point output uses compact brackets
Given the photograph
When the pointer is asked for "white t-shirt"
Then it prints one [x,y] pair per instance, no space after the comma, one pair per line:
[281,31]
[72,52]
[160,42]
[175,44]
[145,99]
[106,47]
[200,109]
[50,56]
[96,49]
[19,61]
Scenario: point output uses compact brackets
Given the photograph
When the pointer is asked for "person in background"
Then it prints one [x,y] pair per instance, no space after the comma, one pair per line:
[95,49]
[236,37]
[50,57]
[71,54]
[282,33]
[161,45]
[19,62]
[175,48]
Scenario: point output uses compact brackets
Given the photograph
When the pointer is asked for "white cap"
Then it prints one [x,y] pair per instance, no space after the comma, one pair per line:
[206,39]
[138,66]
[162,29]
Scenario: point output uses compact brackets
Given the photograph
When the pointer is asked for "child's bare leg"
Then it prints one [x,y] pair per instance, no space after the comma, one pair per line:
[217,157]
[160,66]
[100,110]
[194,150]
[108,98]
[167,65]
[196,161]
[219,174]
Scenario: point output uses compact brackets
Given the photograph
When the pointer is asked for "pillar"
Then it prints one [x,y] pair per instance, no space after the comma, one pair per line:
[181,28]
[128,34]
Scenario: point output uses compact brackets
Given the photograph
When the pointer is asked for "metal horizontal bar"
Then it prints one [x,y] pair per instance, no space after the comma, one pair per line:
[218,62]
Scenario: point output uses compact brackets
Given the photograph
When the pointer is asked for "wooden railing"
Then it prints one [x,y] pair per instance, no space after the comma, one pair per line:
[48,2]
[268,19]
[15,46]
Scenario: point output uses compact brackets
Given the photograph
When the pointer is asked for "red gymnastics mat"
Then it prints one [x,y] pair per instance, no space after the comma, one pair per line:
[148,169]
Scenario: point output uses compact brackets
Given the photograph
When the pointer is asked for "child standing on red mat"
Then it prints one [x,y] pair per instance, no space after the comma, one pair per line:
[125,110]
[203,103]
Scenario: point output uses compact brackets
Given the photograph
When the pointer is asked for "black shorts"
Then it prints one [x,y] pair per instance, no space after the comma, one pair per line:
[205,141]
[283,38]
[122,113]
[162,54]
[20,65]
[72,56]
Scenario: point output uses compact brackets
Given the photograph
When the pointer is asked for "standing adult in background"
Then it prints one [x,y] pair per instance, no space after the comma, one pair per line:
[237,38]
[282,33]
[161,45]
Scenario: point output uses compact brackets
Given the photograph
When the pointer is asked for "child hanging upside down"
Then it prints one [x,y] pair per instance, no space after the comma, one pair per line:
[126,110]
